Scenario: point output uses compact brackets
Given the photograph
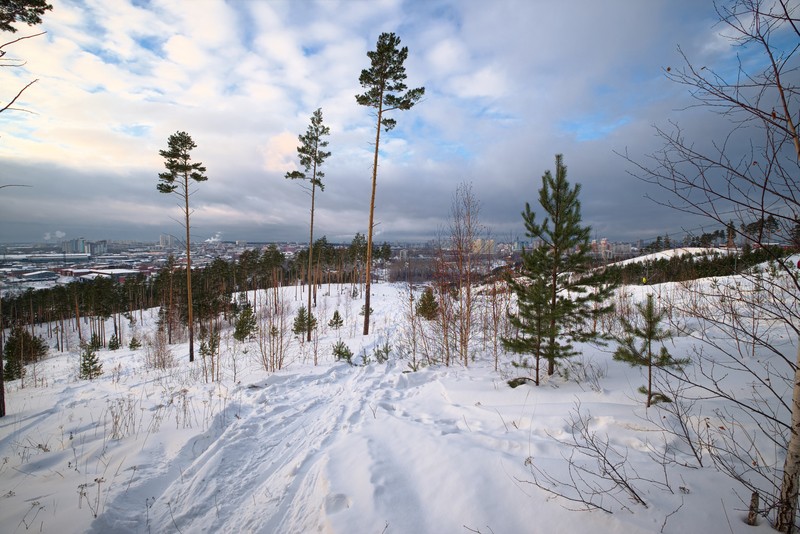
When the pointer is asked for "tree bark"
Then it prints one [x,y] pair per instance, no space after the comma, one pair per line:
[787,505]
[371,216]
[188,270]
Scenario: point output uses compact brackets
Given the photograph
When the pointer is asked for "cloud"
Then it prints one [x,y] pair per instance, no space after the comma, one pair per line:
[506,89]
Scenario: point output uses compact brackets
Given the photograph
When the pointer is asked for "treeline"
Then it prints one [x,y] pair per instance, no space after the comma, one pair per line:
[688,267]
[84,307]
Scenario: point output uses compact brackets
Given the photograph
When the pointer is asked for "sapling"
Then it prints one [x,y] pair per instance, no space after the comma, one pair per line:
[649,331]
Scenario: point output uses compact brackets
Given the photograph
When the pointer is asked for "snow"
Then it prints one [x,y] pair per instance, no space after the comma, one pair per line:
[676,253]
[336,448]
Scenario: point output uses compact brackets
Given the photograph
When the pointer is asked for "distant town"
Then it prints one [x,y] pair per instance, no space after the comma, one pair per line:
[31,265]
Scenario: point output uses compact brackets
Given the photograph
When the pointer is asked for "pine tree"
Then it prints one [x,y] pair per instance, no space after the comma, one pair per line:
[312,155]
[95,342]
[427,307]
[336,321]
[245,323]
[386,91]
[558,296]
[342,352]
[135,344]
[90,363]
[180,170]
[21,348]
[303,321]
[113,343]
[649,331]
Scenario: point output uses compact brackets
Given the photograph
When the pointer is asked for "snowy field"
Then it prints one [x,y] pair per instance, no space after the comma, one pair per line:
[337,448]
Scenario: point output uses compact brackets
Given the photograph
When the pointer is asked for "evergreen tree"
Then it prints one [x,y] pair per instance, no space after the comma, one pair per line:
[303,321]
[21,348]
[342,352]
[90,363]
[386,91]
[648,331]
[558,296]
[427,307]
[28,11]
[312,154]
[336,321]
[135,344]
[180,170]
[245,323]
[113,343]
[95,342]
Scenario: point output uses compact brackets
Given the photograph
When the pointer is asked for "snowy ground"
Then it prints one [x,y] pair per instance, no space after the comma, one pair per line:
[335,448]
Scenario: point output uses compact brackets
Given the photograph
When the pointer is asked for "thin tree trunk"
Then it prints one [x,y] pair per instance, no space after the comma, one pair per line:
[372,215]
[189,273]
[310,255]
[787,505]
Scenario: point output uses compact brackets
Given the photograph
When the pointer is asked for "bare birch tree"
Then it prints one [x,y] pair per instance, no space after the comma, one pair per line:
[749,175]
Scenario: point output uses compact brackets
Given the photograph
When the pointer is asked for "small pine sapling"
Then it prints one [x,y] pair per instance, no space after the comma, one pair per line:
[342,352]
[113,343]
[363,307]
[95,342]
[336,321]
[427,307]
[245,324]
[90,363]
[301,321]
[135,344]
[648,331]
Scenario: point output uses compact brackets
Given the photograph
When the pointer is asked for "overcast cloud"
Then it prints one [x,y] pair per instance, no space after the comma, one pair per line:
[508,85]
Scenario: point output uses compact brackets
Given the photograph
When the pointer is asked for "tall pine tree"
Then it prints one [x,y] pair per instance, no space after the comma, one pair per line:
[386,91]
[312,154]
[180,170]
[558,297]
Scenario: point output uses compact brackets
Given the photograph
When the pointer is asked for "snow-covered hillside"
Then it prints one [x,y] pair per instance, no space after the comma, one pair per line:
[372,448]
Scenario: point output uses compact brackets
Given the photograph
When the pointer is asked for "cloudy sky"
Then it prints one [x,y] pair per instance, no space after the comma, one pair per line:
[509,84]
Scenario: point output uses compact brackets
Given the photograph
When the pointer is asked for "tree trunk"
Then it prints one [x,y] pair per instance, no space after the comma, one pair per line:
[787,505]
[310,255]
[371,216]
[189,273]
[2,378]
